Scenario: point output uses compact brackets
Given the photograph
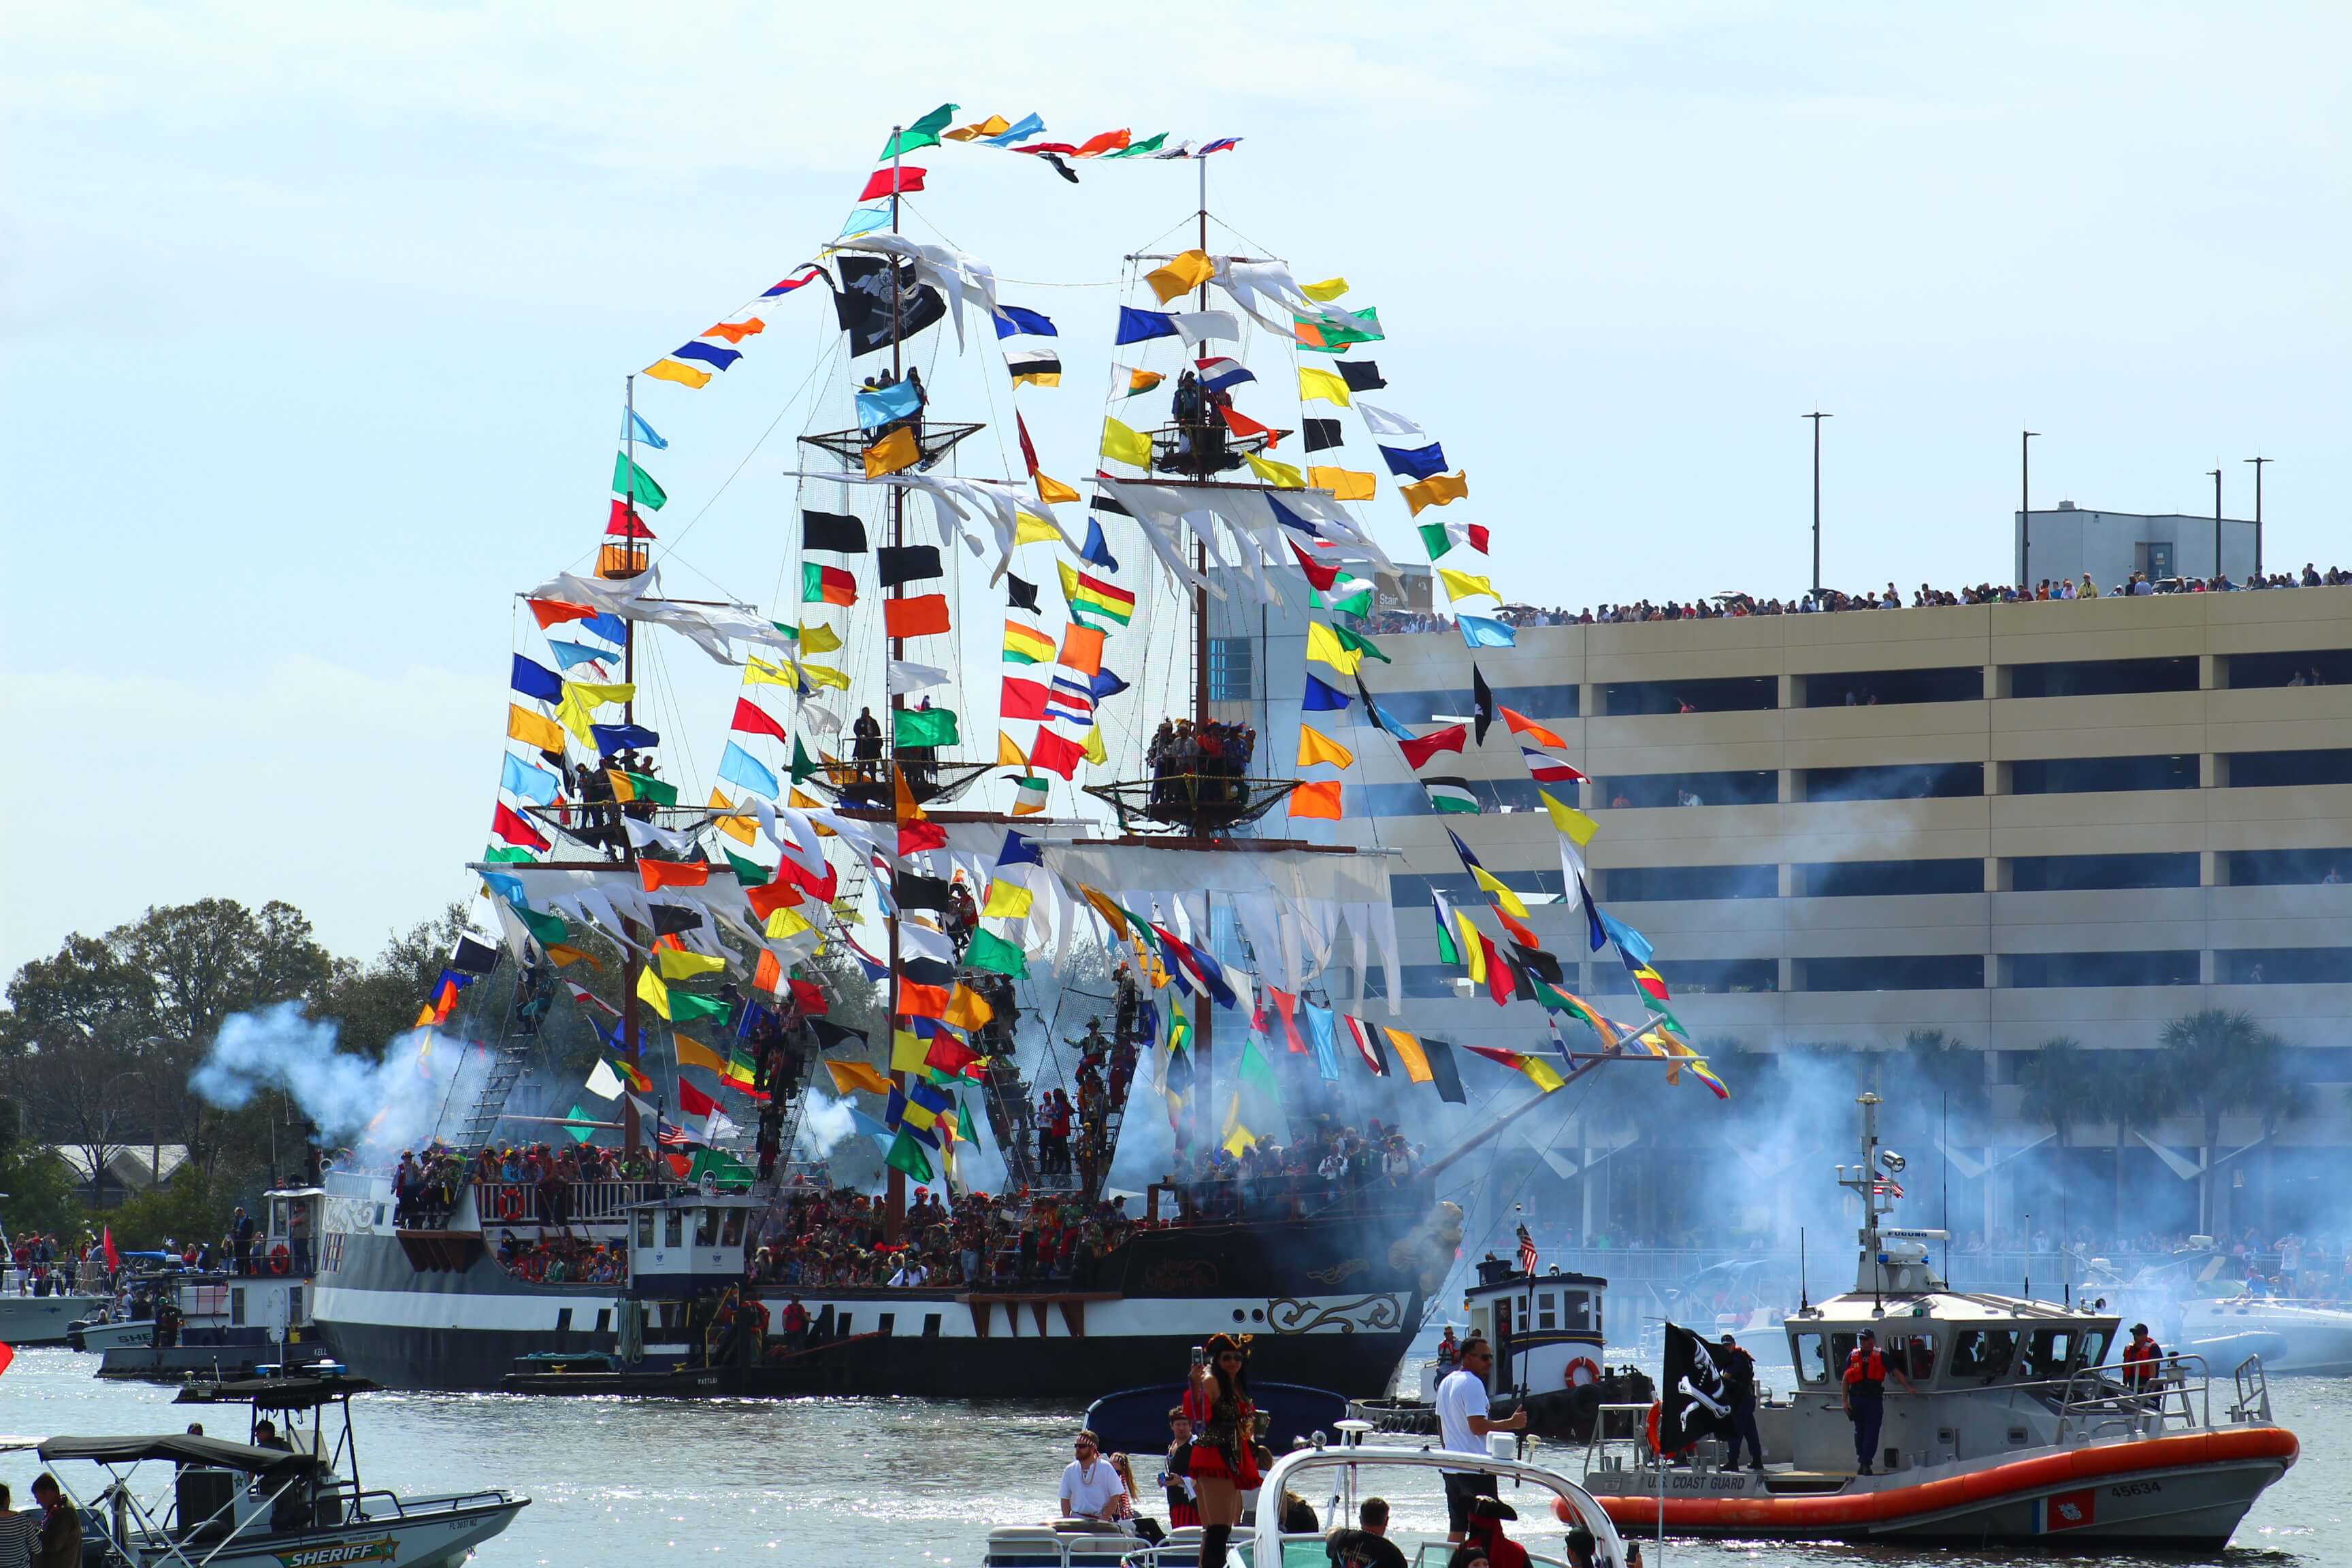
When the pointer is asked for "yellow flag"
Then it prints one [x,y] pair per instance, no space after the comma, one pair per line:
[1345,484]
[906,1051]
[1097,753]
[758,671]
[1503,894]
[1010,900]
[793,797]
[563,955]
[1107,907]
[784,922]
[1030,529]
[739,829]
[1474,952]
[1463,585]
[1315,746]
[847,1076]
[1436,491]
[995,125]
[967,1009]
[1008,755]
[819,675]
[895,451]
[1051,489]
[1408,1051]
[695,1054]
[652,992]
[1237,1138]
[1182,275]
[819,640]
[1323,293]
[677,965]
[577,711]
[1323,645]
[1124,445]
[677,371]
[1282,476]
[1579,828]
[1326,384]
[1539,1073]
[533,729]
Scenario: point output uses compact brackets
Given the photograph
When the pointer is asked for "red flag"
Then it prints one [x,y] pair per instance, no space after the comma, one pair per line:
[549,612]
[1023,699]
[1057,753]
[1499,977]
[1241,423]
[821,889]
[948,1054]
[508,824]
[1321,576]
[752,719]
[1521,932]
[113,1259]
[1478,538]
[625,523]
[1418,752]
[769,897]
[809,997]
[915,836]
[1028,447]
[1287,1005]
[1109,141]
[658,874]
[904,180]
[692,1100]
[7,1356]
[925,614]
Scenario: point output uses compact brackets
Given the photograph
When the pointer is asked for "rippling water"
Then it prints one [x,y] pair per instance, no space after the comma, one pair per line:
[901,1481]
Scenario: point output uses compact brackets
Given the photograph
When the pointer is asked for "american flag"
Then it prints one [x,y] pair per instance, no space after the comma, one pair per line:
[1885,1187]
[1527,1251]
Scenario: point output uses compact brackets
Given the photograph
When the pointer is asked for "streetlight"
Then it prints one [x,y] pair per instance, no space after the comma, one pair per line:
[2025,507]
[1817,416]
[2258,463]
[2217,522]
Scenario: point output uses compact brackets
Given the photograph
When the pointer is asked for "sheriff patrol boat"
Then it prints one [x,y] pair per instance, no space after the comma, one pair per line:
[2006,1423]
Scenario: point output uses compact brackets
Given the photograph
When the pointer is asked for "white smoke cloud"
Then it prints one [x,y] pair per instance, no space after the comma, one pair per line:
[824,1123]
[395,1103]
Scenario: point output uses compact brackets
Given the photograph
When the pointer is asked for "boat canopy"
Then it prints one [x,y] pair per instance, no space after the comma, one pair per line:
[294,1392]
[181,1448]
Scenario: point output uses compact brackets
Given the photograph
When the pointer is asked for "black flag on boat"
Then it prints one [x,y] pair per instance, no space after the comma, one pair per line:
[1693,1403]
[863,304]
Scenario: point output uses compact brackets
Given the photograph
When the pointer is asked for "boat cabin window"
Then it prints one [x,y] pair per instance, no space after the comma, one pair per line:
[1915,1353]
[646,1229]
[1546,1311]
[2049,1355]
[673,1227]
[730,1234]
[706,1227]
[2095,1349]
[1984,1355]
[1809,1352]
[1576,1312]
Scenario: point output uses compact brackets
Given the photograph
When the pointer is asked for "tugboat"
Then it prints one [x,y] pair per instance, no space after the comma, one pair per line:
[218,1325]
[278,1498]
[2018,1432]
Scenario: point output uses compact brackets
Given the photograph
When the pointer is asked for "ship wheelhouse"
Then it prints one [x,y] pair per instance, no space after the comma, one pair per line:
[1541,1325]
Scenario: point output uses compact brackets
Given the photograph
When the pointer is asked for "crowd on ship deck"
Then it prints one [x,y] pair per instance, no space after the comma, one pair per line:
[563,1258]
[1720,606]
[831,1237]
[1200,764]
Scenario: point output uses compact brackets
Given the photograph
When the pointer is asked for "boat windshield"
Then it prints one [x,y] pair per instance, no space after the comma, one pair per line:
[1984,1355]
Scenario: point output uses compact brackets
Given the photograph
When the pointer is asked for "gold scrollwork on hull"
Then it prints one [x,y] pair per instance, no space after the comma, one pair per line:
[1371,1314]
[1339,1273]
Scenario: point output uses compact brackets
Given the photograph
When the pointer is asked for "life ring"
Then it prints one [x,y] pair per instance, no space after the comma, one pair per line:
[280,1260]
[509,1201]
[1588,1366]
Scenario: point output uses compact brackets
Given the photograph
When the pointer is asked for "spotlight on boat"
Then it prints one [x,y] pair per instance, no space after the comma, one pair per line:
[1893,1162]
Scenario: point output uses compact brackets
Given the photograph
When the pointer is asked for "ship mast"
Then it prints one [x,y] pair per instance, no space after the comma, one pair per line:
[894,1215]
[1204,1115]
[632,1047]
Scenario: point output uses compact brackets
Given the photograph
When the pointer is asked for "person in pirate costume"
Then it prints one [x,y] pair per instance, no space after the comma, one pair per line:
[1224,1440]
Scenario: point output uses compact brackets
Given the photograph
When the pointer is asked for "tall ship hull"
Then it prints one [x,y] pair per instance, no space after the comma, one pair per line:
[437,1311]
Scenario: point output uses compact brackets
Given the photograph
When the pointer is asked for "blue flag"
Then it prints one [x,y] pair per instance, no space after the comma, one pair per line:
[1011,320]
[1019,851]
[1322,696]
[885,404]
[1098,549]
[608,626]
[1416,462]
[1322,1040]
[1381,716]
[1599,935]
[611,738]
[533,678]
[1480,632]
[1629,943]
[1028,125]
[1106,684]
[740,768]
[1289,519]
[528,781]
[1140,326]
[568,653]
[507,886]
[645,432]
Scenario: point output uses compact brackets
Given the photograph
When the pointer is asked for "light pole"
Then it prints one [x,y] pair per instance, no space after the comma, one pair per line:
[2025,508]
[2258,463]
[1817,416]
[2217,522]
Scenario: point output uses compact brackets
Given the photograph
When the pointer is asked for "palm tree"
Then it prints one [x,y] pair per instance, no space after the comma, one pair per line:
[2060,1089]
[2136,1094]
[2221,1061]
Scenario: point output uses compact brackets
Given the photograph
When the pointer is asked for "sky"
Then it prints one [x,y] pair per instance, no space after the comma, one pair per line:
[315,321]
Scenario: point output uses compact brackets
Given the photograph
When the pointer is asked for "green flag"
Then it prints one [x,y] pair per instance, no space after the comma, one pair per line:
[748,873]
[802,768]
[508,852]
[1356,643]
[577,1124]
[630,480]
[685,1007]
[925,727]
[987,950]
[1434,537]
[1448,949]
[645,788]
[548,929]
[1136,149]
[907,1155]
[1337,338]
[923,132]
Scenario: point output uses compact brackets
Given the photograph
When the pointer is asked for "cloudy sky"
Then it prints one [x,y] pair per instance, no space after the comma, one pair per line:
[315,321]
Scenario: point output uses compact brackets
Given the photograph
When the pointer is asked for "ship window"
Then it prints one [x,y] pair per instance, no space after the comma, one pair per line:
[1915,1354]
[1983,1354]
[2049,1353]
[673,1227]
[731,1233]
[1807,1353]
[1576,1312]
[706,1227]
[1546,1311]
[2095,1348]
[236,1308]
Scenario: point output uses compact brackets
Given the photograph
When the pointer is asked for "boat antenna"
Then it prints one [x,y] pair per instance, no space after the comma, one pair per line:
[2029,1255]
[1944,1203]
[1804,1291]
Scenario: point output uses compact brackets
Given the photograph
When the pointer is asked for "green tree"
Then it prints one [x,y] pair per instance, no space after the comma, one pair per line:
[375,1002]
[2219,1061]
[2061,1087]
[2135,1094]
[38,1187]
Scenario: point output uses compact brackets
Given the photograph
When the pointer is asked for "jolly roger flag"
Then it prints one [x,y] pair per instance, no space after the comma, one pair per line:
[1694,1402]
[1482,703]
[863,304]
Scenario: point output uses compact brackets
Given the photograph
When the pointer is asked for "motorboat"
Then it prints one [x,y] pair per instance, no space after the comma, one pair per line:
[2021,1430]
[2291,1336]
[31,1313]
[1338,1472]
[292,1500]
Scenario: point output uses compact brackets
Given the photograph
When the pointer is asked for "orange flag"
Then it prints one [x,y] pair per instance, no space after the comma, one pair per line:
[1082,651]
[1317,797]
[657,874]
[926,615]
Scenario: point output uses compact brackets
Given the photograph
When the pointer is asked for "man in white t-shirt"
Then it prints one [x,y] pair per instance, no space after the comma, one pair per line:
[1463,1425]
[1090,1485]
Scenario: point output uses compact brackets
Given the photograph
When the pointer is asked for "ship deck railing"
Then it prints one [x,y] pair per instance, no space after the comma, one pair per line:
[2176,1394]
[1215,1201]
[509,1205]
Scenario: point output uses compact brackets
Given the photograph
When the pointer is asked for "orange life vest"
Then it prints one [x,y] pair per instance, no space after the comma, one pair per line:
[1865,1367]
